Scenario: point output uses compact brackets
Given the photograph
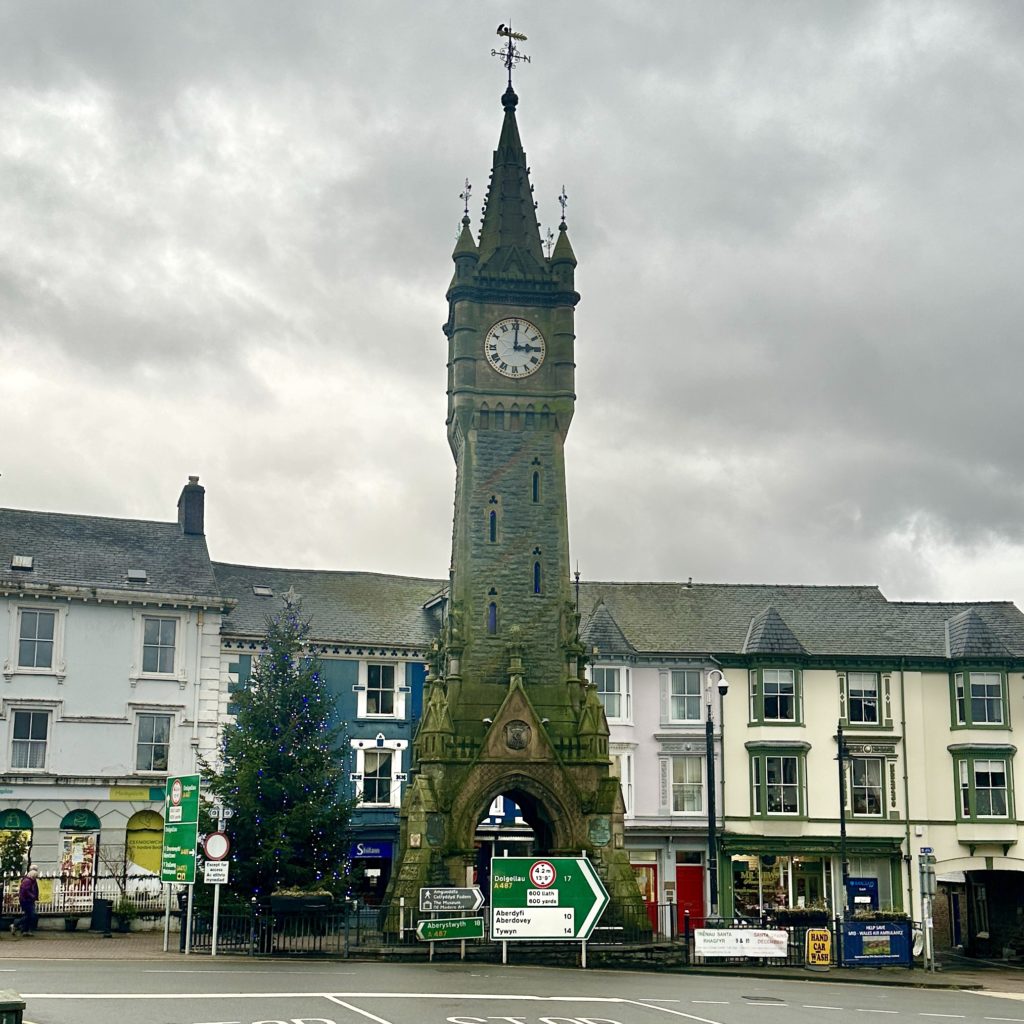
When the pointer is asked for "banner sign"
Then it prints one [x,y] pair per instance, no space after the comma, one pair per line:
[770,942]
[876,943]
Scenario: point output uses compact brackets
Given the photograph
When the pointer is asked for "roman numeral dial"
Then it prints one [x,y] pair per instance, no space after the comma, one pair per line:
[514,347]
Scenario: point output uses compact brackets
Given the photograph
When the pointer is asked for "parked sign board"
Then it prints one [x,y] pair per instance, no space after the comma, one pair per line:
[768,942]
[819,947]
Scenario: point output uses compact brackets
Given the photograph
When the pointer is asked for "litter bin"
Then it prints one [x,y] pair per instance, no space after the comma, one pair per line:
[12,1007]
[102,913]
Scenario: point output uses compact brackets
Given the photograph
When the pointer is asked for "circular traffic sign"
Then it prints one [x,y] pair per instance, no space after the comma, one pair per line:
[216,846]
[176,792]
[542,873]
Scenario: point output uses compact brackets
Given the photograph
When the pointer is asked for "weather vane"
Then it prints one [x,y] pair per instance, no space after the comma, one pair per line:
[509,53]
[464,196]
[549,242]
[563,202]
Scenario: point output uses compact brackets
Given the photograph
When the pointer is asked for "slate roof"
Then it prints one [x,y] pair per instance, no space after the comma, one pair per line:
[92,552]
[345,608]
[602,631]
[967,635]
[769,634]
[857,621]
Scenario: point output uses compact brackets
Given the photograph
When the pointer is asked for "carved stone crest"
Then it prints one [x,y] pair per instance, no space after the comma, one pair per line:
[518,735]
[600,831]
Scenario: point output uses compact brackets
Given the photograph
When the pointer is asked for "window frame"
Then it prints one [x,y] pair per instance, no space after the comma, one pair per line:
[623,755]
[47,713]
[961,698]
[759,753]
[399,776]
[139,715]
[883,808]
[883,699]
[400,690]
[756,696]
[700,786]
[57,668]
[966,759]
[624,692]
[699,696]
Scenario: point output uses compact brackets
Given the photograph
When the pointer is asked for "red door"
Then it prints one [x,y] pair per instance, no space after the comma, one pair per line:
[647,879]
[690,894]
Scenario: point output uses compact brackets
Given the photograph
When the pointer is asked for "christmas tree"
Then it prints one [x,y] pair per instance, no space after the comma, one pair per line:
[281,771]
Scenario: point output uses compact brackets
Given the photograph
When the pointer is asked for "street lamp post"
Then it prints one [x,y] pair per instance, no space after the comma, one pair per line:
[844,862]
[715,678]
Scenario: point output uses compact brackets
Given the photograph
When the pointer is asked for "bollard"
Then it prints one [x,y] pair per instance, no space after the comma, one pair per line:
[12,1007]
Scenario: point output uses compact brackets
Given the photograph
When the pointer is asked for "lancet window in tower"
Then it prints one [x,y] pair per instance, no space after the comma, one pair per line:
[514,418]
[499,417]
[530,417]
[536,486]
[536,577]
[492,618]
[492,526]
[485,416]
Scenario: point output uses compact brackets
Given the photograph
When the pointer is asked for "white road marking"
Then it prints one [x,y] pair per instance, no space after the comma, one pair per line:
[1018,1019]
[861,1009]
[764,1002]
[709,1002]
[666,1009]
[955,1016]
[811,1006]
[356,1009]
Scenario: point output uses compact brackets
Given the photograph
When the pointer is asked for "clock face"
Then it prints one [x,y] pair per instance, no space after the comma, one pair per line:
[514,347]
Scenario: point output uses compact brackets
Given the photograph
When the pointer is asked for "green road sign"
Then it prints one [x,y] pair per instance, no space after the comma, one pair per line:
[178,856]
[445,929]
[545,898]
[181,830]
[181,802]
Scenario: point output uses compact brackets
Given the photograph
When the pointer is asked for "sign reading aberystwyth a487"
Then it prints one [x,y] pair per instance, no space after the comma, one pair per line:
[545,898]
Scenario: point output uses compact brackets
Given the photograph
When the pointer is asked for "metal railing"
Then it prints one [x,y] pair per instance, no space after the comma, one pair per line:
[72,896]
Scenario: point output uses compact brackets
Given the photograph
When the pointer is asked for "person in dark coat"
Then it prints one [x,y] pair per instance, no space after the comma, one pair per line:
[28,897]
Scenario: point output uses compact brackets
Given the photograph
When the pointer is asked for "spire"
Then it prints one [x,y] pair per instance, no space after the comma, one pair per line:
[510,235]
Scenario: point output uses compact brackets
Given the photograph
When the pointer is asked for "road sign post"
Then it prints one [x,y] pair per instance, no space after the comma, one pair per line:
[178,849]
[551,898]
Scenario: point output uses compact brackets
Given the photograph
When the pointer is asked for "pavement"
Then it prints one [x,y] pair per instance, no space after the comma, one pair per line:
[956,971]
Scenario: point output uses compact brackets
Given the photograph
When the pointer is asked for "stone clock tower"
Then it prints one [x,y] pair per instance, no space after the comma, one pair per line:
[507,709]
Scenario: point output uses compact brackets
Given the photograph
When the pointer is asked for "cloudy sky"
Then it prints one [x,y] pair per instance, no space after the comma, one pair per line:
[225,238]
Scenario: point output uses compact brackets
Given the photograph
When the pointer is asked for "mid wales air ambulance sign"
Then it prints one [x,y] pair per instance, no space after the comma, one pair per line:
[545,898]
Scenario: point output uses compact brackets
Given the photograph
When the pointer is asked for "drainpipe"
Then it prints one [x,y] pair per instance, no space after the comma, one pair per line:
[196,683]
[908,856]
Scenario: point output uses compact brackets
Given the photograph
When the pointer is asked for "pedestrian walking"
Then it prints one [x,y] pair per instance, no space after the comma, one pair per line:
[28,897]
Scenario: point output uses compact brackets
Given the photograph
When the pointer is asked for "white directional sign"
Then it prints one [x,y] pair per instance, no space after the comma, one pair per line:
[450,900]
[545,898]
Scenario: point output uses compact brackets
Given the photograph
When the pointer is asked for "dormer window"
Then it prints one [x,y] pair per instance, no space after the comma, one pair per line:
[22,562]
[262,591]
[137,576]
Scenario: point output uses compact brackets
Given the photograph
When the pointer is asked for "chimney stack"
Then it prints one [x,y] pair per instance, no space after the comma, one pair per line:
[191,508]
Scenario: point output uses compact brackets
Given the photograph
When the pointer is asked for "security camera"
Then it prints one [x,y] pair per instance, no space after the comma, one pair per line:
[716,677]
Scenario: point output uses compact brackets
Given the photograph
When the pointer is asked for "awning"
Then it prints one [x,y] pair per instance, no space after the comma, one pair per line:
[15,820]
[80,821]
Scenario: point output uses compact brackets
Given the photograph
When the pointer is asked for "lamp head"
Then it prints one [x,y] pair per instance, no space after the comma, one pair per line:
[716,677]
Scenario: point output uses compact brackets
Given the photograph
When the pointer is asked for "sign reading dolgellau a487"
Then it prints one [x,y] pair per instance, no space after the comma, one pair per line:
[545,898]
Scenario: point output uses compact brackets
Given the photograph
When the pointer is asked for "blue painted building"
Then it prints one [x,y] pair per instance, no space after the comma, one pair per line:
[372,633]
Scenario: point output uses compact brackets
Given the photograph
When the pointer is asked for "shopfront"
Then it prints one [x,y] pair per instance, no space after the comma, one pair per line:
[762,876]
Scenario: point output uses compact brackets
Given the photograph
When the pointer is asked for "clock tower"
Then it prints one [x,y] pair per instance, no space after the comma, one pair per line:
[508,711]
